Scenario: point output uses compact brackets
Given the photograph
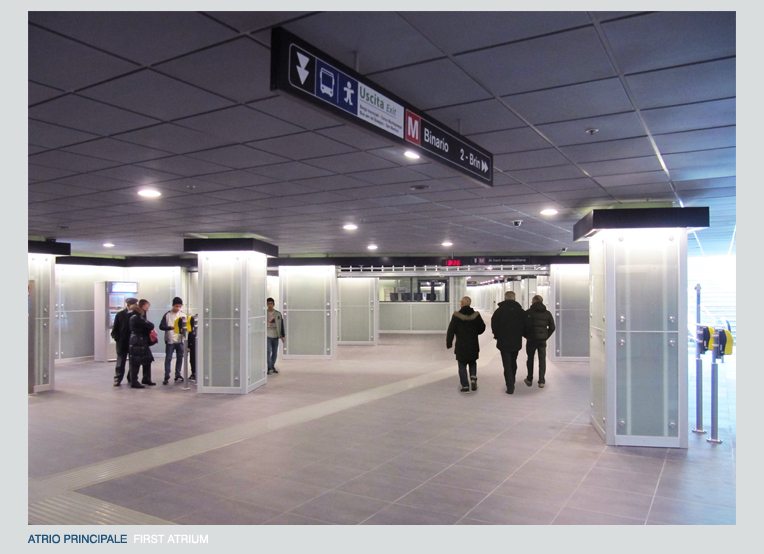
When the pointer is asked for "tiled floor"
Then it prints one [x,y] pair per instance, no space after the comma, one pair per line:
[411,449]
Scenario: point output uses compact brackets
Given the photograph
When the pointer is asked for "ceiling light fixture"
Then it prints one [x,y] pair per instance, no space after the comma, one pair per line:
[549,211]
[149,193]
[372,247]
[419,187]
[412,155]
[448,243]
[591,131]
[108,245]
[350,227]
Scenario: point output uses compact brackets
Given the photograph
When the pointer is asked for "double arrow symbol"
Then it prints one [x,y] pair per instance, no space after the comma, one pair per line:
[301,69]
[484,167]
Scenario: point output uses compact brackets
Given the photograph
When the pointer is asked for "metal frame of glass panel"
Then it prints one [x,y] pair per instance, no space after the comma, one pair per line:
[41,270]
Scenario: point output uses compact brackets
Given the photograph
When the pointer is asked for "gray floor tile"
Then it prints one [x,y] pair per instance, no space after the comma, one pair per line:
[641,483]
[491,461]
[280,494]
[363,457]
[547,491]
[172,503]
[323,475]
[124,489]
[380,486]
[470,478]
[680,512]
[340,508]
[541,470]
[439,452]
[636,464]
[396,514]
[608,501]
[573,516]
[698,491]
[447,499]
[229,512]
[294,519]
[411,468]
[506,510]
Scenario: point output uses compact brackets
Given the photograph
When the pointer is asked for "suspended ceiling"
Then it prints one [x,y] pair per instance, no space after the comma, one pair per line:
[180,102]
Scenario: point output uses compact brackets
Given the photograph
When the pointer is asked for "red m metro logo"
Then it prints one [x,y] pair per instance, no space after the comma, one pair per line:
[413,124]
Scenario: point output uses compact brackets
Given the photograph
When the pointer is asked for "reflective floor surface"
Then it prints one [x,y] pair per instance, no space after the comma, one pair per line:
[381,435]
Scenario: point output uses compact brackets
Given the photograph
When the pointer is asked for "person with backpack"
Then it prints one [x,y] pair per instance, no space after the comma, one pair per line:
[539,326]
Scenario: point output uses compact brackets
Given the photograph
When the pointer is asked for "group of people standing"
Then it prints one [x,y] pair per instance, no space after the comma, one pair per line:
[132,333]
[509,324]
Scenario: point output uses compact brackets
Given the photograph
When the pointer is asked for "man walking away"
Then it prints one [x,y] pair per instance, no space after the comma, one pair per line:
[466,325]
[507,326]
[173,341]
[539,326]
[275,331]
[120,332]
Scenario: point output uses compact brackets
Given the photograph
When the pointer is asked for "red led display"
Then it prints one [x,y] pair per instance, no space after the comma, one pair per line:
[453,262]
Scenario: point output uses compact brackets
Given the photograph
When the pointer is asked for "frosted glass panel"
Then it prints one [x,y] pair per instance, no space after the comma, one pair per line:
[355,291]
[598,375]
[306,288]
[42,352]
[222,285]
[356,324]
[306,333]
[647,384]
[571,336]
[256,340]
[75,285]
[257,287]
[72,327]
[429,317]
[647,280]
[394,317]
[221,353]
[158,285]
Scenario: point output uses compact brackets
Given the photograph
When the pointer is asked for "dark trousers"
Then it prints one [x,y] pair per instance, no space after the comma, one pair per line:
[463,372]
[509,361]
[119,370]
[531,347]
[169,348]
[273,351]
[134,372]
[192,359]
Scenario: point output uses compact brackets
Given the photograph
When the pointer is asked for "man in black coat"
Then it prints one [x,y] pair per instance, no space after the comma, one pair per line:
[120,332]
[507,325]
[466,325]
[539,326]
[140,345]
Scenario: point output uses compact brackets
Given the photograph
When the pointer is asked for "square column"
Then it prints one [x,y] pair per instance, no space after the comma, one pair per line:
[231,346]
[638,324]
[41,282]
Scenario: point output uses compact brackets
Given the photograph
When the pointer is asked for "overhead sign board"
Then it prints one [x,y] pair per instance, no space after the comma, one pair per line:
[303,71]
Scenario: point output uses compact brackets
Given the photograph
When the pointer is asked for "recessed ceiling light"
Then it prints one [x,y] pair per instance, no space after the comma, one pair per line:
[448,243]
[350,227]
[549,211]
[149,193]
[412,155]
[108,245]
[372,247]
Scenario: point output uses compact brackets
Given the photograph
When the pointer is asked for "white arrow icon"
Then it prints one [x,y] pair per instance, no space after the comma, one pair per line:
[485,165]
[301,68]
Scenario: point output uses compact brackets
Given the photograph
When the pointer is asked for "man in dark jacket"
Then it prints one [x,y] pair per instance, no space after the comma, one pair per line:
[507,325]
[466,325]
[539,326]
[140,346]
[120,332]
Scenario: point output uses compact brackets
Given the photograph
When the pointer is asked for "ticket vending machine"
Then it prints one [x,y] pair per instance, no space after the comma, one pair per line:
[109,298]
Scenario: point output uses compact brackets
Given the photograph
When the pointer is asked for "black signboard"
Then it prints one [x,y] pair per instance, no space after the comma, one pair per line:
[305,72]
